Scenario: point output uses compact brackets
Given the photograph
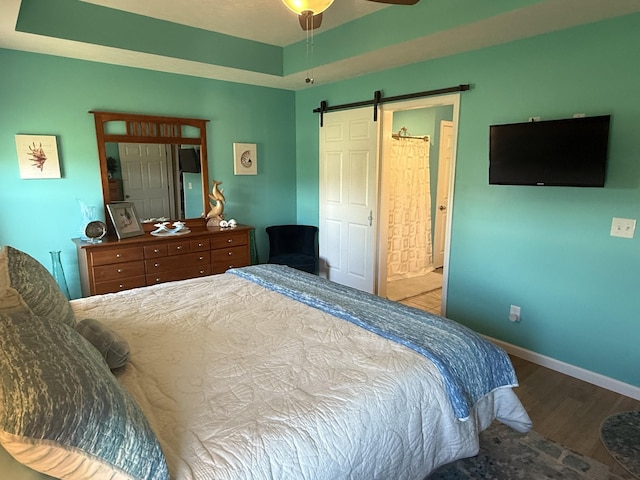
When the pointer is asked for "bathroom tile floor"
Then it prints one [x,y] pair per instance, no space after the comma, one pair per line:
[423,292]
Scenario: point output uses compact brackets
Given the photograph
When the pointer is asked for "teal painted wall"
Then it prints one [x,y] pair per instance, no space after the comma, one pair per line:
[192,196]
[49,95]
[545,249]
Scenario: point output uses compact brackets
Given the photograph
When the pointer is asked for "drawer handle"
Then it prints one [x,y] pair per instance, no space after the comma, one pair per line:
[156,264]
[157,280]
[121,286]
[201,257]
[119,270]
[230,240]
[200,244]
[118,255]
[230,253]
[179,247]
[201,272]
[155,250]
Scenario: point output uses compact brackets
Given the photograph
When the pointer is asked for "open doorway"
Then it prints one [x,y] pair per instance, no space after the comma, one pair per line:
[418,152]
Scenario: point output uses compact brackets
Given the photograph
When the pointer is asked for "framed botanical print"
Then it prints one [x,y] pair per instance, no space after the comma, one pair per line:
[38,156]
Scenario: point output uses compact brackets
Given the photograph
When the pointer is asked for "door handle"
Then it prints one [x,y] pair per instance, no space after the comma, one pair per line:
[370,218]
[442,208]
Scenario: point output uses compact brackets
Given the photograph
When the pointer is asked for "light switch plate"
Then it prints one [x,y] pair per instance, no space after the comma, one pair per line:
[623,227]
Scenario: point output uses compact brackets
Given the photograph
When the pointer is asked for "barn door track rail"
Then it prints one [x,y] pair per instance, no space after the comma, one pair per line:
[378,99]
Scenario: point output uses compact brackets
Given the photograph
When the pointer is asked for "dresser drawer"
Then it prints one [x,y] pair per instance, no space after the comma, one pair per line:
[118,285]
[116,271]
[230,254]
[157,250]
[221,267]
[199,244]
[115,255]
[176,262]
[178,247]
[181,274]
[233,257]
[230,239]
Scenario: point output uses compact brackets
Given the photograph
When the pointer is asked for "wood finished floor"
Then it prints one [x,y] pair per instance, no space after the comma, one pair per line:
[564,409]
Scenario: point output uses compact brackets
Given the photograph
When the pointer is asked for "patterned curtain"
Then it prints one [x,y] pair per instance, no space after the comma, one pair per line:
[410,251]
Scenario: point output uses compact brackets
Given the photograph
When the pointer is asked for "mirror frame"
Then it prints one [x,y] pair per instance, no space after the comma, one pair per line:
[150,129]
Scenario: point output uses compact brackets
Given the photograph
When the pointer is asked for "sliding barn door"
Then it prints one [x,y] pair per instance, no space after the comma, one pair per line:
[348,193]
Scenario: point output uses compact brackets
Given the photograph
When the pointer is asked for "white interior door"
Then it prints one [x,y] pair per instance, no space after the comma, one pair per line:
[147,181]
[348,198]
[442,192]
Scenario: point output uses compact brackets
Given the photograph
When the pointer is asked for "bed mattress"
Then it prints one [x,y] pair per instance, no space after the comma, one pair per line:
[238,382]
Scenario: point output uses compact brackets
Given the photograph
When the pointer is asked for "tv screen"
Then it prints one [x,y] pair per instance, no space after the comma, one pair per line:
[189,160]
[569,152]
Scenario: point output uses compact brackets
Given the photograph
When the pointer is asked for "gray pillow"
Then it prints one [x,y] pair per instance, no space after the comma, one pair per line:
[37,287]
[111,345]
[63,413]
[10,300]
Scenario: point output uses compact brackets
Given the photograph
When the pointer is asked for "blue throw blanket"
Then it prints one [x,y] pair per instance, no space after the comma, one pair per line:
[471,366]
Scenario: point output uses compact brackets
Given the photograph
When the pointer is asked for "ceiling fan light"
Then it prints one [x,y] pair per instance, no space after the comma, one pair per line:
[315,6]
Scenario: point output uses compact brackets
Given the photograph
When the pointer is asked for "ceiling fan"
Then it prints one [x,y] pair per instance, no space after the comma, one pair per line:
[310,11]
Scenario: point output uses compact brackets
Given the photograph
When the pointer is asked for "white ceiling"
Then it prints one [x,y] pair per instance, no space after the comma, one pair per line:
[269,21]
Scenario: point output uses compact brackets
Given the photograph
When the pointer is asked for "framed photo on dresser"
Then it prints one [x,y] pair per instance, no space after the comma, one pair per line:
[125,219]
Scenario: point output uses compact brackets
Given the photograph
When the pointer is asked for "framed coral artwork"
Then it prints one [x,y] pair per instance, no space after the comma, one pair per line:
[245,159]
[38,156]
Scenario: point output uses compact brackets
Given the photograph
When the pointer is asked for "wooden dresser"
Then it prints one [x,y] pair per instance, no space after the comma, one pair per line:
[115,265]
[115,189]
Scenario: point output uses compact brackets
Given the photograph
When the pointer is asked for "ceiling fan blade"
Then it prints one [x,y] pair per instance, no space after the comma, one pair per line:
[396,2]
[309,21]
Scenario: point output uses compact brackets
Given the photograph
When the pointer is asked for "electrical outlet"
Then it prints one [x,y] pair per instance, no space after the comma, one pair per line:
[514,314]
[534,119]
[623,227]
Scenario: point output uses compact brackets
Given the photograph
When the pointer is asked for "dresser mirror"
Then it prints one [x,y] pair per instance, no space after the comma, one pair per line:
[158,163]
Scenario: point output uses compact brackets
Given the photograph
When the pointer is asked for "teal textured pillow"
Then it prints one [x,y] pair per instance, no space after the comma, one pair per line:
[63,413]
[111,345]
[37,287]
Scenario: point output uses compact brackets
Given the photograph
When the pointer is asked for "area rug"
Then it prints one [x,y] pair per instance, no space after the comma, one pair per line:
[508,455]
[620,434]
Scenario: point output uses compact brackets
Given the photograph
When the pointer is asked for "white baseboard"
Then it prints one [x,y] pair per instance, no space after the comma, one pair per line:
[571,370]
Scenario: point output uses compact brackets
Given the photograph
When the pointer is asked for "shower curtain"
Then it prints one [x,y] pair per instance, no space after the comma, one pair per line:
[410,252]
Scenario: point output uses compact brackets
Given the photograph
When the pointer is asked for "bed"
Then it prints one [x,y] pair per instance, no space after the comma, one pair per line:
[269,373]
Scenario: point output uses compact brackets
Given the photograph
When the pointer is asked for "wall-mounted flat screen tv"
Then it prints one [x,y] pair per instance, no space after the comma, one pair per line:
[189,160]
[568,152]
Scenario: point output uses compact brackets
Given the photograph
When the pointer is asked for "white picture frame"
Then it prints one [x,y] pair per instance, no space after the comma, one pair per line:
[38,156]
[245,159]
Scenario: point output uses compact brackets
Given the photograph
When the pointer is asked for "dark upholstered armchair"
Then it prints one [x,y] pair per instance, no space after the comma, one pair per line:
[295,246]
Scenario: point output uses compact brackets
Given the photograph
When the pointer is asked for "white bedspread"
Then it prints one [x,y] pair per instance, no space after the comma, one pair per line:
[240,382]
